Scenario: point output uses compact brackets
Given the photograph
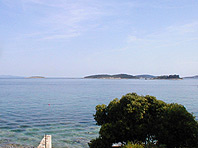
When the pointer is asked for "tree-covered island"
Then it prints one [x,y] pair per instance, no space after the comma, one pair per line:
[106,76]
[169,77]
[36,77]
[127,76]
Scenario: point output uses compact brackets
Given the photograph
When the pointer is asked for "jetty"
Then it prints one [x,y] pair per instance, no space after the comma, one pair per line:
[46,142]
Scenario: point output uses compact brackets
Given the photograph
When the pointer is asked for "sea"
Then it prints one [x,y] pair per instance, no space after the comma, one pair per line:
[64,108]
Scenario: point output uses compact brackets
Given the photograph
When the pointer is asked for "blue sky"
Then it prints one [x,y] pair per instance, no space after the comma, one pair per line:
[75,38]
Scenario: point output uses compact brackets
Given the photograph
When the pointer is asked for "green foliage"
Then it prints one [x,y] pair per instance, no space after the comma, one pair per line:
[132,145]
[179,128]
[100,115]
[146,120]
[99,143]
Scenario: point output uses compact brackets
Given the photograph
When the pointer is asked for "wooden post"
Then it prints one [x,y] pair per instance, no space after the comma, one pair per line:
[46,142]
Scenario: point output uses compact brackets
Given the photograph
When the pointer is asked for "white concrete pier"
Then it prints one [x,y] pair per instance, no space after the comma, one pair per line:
[46,142]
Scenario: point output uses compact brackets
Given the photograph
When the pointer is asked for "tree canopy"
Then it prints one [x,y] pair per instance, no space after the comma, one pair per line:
[144,119]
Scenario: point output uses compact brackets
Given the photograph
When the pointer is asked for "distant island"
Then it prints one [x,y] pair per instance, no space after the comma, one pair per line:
[173,77]
[145,76]
[127,76]
[192,77]
[36,77]
[108,76]
[105,76]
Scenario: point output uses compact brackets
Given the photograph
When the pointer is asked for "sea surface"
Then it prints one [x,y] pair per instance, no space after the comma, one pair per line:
[64,108]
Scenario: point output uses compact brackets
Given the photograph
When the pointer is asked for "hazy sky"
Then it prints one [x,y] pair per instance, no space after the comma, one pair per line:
[75,38]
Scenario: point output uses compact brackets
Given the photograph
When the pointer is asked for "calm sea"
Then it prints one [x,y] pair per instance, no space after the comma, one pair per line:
[64,108]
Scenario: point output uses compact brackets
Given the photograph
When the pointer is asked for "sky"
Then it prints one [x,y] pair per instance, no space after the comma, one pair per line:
[76,38]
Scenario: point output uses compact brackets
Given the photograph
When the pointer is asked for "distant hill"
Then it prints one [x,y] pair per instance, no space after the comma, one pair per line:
[106,76]
[145,76]
[98,76]
[124,76]
[10,77]
[192,77]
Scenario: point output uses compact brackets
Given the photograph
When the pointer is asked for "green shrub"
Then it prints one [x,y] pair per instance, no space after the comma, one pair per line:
[132,145]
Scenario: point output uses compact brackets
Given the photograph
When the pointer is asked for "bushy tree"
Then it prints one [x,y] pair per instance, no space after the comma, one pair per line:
[179,127]
[144,119]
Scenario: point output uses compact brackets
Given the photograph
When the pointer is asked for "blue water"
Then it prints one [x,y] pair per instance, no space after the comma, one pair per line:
[64,108]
